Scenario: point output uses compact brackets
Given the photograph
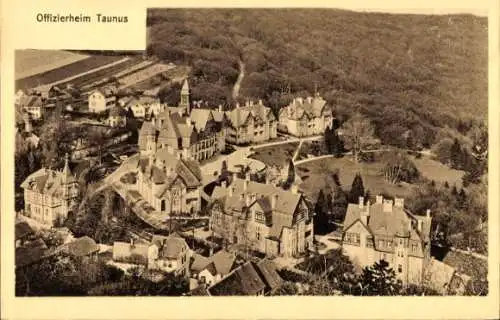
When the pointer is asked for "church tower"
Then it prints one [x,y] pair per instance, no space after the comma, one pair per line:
[184,104]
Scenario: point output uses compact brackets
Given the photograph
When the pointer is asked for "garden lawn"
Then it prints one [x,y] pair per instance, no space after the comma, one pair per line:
[275,155]
[314,173]
[434,170]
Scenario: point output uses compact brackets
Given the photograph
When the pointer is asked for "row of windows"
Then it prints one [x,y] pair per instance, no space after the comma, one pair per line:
[352,238]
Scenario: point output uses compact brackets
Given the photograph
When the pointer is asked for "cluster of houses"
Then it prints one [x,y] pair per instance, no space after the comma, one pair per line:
[261,217]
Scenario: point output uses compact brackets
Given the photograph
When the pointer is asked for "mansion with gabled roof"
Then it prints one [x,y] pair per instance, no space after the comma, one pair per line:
[197,133]
[251,123]
[387,231]
[49,194]
[306,117]
[269,219]
[169,183]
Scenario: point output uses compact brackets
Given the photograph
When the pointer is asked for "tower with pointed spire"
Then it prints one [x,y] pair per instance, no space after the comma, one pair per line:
[185,104]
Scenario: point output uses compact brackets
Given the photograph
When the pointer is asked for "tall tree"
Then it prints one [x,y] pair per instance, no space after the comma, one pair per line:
[357,189]
[380,280]
[321,220]
[398,167]
[358,134]
[456,155]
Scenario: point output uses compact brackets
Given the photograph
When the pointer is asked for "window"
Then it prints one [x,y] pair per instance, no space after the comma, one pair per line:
[400,242]
[260,217]
[257,235]
[203,279]
[414,247]
[352,238]
[400,268]
[369,242]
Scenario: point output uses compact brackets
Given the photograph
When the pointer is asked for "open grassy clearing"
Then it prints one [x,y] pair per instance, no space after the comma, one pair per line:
[434,170]
[31,62]
[314,173]
[275,155]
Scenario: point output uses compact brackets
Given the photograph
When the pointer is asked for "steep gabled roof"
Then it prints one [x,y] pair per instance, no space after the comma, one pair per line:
[243,281]
[170,247]
[395,221]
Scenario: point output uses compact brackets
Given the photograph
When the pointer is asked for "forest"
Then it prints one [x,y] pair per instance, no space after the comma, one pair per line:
[410,74]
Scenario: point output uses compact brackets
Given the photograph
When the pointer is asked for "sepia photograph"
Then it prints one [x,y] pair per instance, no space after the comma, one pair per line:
[257,152]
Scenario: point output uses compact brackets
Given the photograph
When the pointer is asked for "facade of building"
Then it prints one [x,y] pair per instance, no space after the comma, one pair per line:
[144,106]
[306,117]
[169,183]
[49,195]
[266,218]
[250,124]
[197,133]
[167,254]
[117,117]
[210,270]
[32,105]
[101,100]
[387,231]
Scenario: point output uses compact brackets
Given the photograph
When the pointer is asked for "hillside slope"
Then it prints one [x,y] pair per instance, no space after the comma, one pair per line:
[420,72]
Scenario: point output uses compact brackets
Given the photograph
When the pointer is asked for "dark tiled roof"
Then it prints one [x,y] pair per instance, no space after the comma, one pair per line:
[201,290]
[23,229]
[243,281]
[267,270]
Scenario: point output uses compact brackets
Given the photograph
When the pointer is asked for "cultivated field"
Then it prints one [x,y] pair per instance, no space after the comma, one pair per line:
[143,75]
[61,74]
[31,62]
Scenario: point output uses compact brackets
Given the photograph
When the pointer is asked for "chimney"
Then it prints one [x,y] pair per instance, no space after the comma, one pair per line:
[131,242]
[428,213]
[365,215]
[220,108]
[237,105]
[274,201]
[399,202]
[224,184]
[379,199]
[245,184]
[260,101]
[249,199]
[419,225]
[387,205]
[361,202]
